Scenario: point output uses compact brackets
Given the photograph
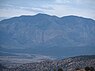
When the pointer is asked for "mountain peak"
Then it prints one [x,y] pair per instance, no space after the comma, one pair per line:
[40,14]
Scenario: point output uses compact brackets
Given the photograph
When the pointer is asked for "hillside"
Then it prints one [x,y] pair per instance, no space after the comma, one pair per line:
[44,34]
[68,64]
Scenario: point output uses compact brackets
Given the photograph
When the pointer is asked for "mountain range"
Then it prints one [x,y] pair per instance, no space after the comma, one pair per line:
[48,35]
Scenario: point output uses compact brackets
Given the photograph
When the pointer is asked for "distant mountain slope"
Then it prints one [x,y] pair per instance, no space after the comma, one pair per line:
[68,64]
[43,33]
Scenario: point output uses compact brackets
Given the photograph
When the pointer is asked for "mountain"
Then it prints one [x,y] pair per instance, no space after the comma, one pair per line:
[68,64]
[46,35]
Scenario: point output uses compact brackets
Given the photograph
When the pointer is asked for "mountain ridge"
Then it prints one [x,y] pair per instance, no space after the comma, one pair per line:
[47,15]
[43,33]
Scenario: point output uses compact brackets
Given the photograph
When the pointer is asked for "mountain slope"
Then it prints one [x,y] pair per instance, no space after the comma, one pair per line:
[68,64]
[46,33]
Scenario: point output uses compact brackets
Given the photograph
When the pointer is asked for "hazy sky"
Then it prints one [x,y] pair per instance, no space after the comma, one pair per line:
[10,8]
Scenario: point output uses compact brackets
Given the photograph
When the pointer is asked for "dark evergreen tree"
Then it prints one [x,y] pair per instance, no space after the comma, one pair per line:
[87,68]
[77,69]
[2,67]
[92,69]
[60,69]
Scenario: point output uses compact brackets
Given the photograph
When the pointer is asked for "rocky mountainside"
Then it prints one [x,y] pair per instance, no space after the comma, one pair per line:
[45,34]
[68,64]
[45,30]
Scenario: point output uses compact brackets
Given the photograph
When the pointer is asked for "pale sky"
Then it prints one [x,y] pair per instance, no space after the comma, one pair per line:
[11,8]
